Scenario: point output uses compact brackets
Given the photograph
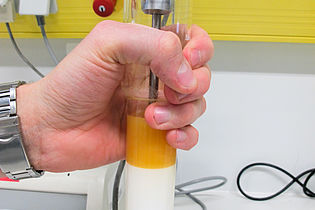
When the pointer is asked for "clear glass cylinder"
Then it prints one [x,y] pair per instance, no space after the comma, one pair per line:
[172,11]
[150,168]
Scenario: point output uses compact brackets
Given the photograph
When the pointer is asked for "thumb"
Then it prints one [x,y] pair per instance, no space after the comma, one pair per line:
[135,44]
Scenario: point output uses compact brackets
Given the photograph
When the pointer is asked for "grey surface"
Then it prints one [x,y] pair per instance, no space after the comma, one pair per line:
[264,57]
[28,200]
[229,56]
[34,50]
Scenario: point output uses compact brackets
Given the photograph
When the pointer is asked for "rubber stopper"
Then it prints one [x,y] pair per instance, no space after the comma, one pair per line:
[104,8]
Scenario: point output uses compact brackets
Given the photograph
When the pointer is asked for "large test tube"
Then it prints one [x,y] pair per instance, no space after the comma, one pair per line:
[150,167]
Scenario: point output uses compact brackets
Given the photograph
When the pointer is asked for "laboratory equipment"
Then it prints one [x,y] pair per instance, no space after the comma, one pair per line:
[37,7]
[40,8]
[7,11]
[41,24]
[78,190]
[150,167]
[150,163]
[104,8]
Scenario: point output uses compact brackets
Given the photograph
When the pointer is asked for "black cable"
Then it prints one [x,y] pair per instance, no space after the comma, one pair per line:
[119,172]
[306,190]
[20,53]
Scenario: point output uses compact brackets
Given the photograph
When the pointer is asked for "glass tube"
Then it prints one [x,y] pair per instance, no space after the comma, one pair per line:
[150,167]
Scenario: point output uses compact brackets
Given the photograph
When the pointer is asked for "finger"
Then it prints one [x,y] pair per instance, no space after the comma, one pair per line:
[135,44]
[168,116]
[184,138]
[199,50]
[203,76]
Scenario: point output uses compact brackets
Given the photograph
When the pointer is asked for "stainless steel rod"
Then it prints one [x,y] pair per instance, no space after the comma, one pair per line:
[154,80]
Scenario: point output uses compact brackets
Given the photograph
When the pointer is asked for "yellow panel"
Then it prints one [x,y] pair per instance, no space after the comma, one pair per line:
[259,20]
[74,19]
[241,20]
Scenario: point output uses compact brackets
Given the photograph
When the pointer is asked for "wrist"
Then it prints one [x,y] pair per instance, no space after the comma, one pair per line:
[29,123]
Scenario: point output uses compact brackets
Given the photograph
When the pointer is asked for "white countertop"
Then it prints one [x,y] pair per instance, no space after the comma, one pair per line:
[91,183]
[230,201]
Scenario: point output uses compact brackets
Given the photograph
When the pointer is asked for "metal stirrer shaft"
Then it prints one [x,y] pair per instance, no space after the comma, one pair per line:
[154,80]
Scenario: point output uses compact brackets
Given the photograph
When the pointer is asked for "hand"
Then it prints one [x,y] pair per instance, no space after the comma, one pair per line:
[74,118]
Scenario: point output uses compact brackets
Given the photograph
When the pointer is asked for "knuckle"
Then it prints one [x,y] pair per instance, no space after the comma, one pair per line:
[191,109]
[168,51]
[100,27]
[208,47]
[194,137]
[170,95]
[210,43]
[105,24]
[169,43]
[99,36]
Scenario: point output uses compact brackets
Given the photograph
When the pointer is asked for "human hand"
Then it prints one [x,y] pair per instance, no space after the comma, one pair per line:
[74,118]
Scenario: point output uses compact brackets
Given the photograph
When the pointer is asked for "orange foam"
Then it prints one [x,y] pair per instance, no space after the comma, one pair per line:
[147,147]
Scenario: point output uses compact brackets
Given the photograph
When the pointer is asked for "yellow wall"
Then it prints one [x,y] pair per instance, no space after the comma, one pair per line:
[243,20]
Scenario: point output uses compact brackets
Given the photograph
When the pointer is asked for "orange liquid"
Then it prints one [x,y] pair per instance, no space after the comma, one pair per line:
[147,147]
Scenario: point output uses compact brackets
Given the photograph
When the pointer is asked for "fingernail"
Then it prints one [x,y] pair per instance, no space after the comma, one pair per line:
[161,115]
[195,57]
[185,75]
[181,136]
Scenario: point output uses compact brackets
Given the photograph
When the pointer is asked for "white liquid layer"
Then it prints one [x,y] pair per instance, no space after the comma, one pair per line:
[149,189]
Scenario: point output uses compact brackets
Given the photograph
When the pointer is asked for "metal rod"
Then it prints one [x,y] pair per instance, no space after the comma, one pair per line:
[157,21]
[154,80]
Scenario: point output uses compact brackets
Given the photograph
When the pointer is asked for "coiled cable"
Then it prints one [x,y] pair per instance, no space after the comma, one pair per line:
[189,193]
[308,173]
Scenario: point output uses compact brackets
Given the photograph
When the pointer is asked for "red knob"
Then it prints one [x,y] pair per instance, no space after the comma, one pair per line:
[104,8]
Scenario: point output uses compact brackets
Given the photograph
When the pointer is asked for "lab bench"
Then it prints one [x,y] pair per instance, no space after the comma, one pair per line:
[234,201]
